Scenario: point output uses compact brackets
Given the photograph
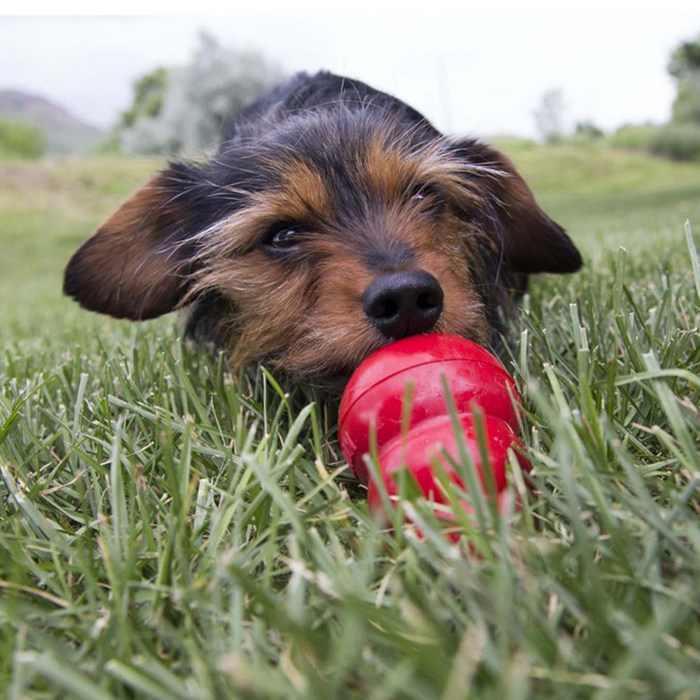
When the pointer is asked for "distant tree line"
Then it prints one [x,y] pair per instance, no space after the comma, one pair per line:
[679,139]
[186,109]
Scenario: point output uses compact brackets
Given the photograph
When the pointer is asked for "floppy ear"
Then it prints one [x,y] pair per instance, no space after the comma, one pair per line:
[531,241]
[136,265]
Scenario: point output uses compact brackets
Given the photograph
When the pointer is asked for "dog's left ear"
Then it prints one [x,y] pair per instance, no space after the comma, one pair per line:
[531,241]
[137,264]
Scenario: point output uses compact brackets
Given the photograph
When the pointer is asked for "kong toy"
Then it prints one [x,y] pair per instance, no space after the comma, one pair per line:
[375,400]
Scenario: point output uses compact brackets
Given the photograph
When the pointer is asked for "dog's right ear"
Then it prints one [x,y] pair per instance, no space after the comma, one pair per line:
[529,240]
[137,264]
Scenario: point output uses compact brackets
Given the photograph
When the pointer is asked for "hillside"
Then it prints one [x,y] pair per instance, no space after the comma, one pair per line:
[64,132]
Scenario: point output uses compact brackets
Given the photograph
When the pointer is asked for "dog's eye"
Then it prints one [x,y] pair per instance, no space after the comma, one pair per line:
[284,236]
[428,197]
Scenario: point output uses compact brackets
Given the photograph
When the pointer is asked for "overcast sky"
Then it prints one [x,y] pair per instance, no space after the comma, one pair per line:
[481,75]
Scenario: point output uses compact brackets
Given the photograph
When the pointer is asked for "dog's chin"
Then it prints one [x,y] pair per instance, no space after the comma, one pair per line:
[325,360]
[332,374]
[329,379]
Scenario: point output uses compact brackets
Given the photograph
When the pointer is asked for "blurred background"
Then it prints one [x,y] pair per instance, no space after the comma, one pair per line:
[601,112]
[149,84]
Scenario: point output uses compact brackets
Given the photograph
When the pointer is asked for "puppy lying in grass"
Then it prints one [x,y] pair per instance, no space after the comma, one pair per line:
[333,219]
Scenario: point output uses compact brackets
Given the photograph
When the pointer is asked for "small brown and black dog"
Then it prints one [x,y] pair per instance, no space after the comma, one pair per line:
[333,219]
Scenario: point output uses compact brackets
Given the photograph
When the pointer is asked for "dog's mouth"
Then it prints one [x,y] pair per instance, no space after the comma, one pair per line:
[333,378]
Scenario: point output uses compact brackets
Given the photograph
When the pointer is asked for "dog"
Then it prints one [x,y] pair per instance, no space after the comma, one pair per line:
[332,220]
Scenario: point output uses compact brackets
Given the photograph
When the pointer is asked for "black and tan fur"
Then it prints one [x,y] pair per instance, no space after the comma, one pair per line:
[320,188]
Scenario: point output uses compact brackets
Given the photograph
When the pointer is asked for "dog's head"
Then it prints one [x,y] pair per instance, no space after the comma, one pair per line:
[323,238]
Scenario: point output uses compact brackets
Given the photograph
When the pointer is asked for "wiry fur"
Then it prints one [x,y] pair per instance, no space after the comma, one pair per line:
[372,187]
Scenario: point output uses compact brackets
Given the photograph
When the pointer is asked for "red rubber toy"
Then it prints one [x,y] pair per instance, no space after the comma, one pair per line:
[376,393]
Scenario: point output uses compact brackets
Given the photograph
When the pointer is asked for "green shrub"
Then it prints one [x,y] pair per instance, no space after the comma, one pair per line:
[635,137]
[674,141]
[19,140]
[677,141]
[588,129]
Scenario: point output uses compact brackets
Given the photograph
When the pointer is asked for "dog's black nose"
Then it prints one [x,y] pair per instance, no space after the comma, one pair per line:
[403,303]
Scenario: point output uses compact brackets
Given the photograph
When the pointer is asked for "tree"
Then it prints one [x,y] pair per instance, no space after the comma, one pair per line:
[549,116]
[149,94]
[186,109]
[685,68]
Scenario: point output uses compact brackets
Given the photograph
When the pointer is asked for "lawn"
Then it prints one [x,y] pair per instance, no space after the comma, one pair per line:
[168,530]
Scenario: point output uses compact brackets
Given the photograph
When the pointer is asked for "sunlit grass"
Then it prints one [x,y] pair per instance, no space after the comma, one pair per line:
[167,530]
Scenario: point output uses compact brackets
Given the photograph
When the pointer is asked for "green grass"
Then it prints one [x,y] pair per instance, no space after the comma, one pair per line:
[167,530]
